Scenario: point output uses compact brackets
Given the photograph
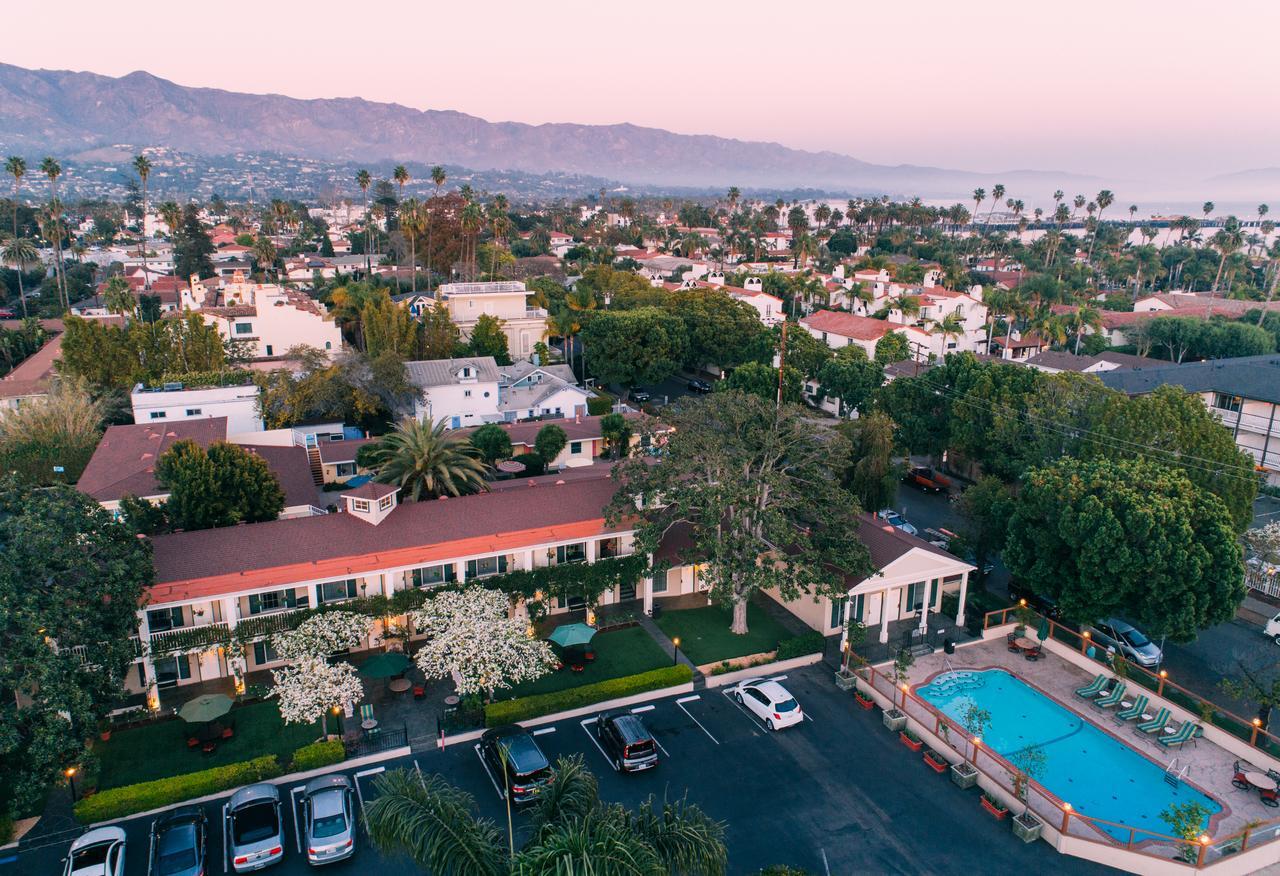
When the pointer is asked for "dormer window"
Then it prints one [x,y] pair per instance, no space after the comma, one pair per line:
[385,502]
[360,506]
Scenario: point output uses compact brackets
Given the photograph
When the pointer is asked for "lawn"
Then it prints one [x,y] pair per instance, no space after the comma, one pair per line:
[705,638]
[159,750]
[627,651]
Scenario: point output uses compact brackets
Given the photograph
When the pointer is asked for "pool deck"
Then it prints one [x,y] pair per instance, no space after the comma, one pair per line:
[1211,766]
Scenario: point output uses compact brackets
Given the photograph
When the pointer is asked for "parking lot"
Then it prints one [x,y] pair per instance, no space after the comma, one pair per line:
[834,794]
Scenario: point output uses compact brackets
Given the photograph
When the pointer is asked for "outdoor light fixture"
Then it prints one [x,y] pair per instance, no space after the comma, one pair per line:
[1164,673]
[977,740]
[70,773]
[675,651]
[1257,722]
[1022,602]
[1086,634]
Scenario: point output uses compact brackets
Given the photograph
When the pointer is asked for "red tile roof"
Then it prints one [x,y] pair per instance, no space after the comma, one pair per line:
[371,490]
[847,325]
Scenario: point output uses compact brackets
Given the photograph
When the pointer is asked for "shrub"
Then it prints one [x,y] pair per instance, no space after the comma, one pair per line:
[600,404]
[6,829]
[318,754]
[118,802]
[532,462]
[811,642]
[511,711]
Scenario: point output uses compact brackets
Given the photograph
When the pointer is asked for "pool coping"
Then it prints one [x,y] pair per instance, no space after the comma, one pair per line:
[1214,819]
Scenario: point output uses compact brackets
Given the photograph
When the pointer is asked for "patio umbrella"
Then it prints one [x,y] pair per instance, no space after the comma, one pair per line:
[206,708]
[510,466]
[388,664]
[1043,632]
[572,634]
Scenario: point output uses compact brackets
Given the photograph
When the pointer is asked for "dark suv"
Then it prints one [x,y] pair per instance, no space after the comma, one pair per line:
[178,843]
[518,765]
[626,742]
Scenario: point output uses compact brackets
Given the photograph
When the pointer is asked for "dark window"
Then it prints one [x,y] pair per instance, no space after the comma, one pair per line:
[171,670]
[429,576]
[576,446]
[193,412]
[337,591]
[263,652]
[161,619]
[571,553]
[157,415]
[268,349]
[1226,402]
[486,566]
[244,328]
[837,612]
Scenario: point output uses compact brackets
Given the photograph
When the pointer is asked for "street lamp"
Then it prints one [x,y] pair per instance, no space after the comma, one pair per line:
[675,652]
[70,773]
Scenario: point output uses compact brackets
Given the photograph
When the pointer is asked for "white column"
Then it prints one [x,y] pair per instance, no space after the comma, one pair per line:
[925,603]
[648,593]
[593,550]
[844,624]
[460,571]
[386,583]
[884,616]
[964,588]
[527,561]
[230,611]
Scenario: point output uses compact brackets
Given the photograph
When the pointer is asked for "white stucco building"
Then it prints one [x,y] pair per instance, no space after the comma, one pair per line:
[506,300]
[271,318]
[475,390]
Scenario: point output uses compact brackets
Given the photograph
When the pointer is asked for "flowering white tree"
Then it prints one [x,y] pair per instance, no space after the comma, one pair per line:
[322,635]
[310,687]
[471,637]
[1265,542]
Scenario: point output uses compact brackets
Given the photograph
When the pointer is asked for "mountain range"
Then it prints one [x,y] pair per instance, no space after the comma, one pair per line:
[69,113]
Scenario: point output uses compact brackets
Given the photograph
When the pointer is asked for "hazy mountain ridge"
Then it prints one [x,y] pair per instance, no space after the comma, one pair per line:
[63,111]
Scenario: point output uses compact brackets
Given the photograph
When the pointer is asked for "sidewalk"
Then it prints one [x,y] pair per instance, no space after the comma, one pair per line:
[1255,610]
[646,622]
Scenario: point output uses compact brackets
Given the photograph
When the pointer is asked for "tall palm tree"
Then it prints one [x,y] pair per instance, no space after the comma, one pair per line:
[171,215]
[1273,262]
[264,253]
[363,180]
[425,462]
[572,832]
[950,326]
[52,169]
[564,323]
[979,195]
[1087,316]
[16,167]
[997,192]
[1228,239]
[437,178]
[734,194]
[401,176]
[412,224]
[143,167]
[472,219]
[20,254]
[1104,200]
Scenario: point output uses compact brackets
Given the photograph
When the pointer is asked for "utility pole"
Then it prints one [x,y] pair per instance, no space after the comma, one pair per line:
[782,361]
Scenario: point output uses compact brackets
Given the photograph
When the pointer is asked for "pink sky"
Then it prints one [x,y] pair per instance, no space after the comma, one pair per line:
[1122,88]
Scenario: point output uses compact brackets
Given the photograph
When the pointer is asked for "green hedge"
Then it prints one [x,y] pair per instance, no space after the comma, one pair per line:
[798,646]
[118,802]
[600,404]
[318,754]
[511,711]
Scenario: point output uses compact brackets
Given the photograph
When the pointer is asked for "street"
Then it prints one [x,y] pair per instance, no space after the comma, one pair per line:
[835,794]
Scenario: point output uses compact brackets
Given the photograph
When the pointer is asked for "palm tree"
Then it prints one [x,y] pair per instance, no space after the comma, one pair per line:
[363,180]
[1273,262]
[1077,203]
[1104,200]
[413,222]
[1087,316]
[997,192]
[979,195]
[437,178]
[1226,241]
[264,253]
[733,196]
[573,830]
[52,169]
[20,254]
[427,463]
[472,220]
[118,297]
[16,167]
[564,323]
[171,215]
[950,326]
[143,167]
[401,176]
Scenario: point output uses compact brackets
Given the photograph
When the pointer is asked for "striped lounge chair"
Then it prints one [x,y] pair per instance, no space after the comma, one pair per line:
[1185,733]
[1117,694]
[1093,688]
[1155,725]
[1133,711]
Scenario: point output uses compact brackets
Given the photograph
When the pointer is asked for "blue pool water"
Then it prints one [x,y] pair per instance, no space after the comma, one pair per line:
[1085,766]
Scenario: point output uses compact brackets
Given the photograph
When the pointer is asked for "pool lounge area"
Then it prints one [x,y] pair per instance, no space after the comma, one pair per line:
[1110,780]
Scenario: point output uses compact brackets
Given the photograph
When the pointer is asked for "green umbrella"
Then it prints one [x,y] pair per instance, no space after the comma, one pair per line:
[205,708]
[572,634]
[388,664]
[1043,632]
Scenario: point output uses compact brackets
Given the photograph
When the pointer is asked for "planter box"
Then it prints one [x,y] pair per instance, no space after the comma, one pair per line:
[1026,827]
[935,761]
[866,702]
[997,812]
[964,774]
[894,720]
[846,680]
[913,744]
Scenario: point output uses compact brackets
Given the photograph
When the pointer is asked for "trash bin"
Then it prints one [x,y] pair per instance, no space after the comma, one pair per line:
[948,645]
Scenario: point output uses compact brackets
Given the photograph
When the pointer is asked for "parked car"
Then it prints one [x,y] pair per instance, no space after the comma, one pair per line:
[6,313]
[97,853]
[639,394]
[255,836]
[1127,640]
[519,766]
[699,386]
[1272,629]
[178,843]
[896,520]
[1046,605]
[329,819]
[626,741]
[926,479]
[769,701]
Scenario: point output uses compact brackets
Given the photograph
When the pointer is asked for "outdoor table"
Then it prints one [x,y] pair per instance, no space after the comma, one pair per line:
[1170,730]
[1125,704]
[209,732]
[1261,781]
[1147,717]
[368,725]
[1025,644]
[399,685]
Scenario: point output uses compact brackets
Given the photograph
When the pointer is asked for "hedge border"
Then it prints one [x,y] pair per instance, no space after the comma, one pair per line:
[524,708]
[802,645]
[129,799]
[318,754]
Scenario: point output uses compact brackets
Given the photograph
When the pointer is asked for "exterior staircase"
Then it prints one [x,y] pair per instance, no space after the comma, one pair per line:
[317,464]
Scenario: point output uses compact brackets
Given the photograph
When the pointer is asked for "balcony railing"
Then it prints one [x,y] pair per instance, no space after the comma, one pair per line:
[259,626]
[186,639]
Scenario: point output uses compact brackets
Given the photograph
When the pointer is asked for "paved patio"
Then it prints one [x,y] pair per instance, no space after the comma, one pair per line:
[1211,766]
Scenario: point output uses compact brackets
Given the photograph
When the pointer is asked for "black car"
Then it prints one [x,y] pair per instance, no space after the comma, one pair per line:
[1045,605]
[626,742]
[518,765]
[178,843]
[701,386]
[639,394]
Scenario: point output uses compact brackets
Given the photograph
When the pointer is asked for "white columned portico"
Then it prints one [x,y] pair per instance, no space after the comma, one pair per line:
[964,589]
[884,615]
[460,571]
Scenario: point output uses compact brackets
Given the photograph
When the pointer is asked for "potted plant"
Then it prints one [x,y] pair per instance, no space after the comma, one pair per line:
[1186,821]
[975,720]
[894,719]
[864,701]
[997,809]
[855,634]
[908,738]
[1026,616]
[1028,763]
[104,729]
[935,761]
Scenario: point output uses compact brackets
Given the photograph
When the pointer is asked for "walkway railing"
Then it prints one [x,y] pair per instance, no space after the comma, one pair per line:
[378,740]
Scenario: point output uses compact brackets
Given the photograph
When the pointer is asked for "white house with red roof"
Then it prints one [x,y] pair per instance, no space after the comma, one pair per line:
[271,318]
[768,307]
[838,329]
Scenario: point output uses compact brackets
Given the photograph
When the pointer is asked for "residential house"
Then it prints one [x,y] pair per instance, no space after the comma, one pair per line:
[32,378]
[173,402]
[271,318]
[769,308]
[476,390]
[506,300]
[585,447]
[838,329]
[1054,362]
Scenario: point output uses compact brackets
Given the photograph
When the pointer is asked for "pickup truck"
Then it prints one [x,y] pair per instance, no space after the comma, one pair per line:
[926,479]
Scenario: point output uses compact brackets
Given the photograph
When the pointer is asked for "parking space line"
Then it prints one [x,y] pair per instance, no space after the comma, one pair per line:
[778,678]
[743,709]
[638,709]
[543,731]
[680,702]
[594,741]
[487,772]
[297,822]
[371,772]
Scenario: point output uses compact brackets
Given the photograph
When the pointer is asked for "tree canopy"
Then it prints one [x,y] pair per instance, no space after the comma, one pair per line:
[488,339]
[631,347]
[493,442]
[141,352]
[221,486]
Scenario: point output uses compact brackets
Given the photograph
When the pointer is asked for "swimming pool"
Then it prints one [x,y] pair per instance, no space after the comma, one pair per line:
[1086,767]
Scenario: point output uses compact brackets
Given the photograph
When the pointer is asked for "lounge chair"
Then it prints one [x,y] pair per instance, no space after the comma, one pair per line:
[1093,688]
[1155,725]
[1117,694]
[1009,643]
[1134,711]
[1185,733]
[1033,653]
[366,716]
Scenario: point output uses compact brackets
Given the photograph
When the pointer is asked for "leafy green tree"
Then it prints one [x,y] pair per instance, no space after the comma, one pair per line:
[493,442]
[761,380]
[141,352]
[893,347]
[440,336]
[631,347]
[426,462]
[870,474]
[752,483]
[850,379]
[221,486]
[616,432]
[550,440]
[985,509]
[488,339]
[192,246]
[1127,537]
[387,327]
[70,576]
[720,330]
[805,353]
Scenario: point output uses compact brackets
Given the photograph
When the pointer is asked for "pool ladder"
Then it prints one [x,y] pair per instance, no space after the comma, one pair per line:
[1175,776]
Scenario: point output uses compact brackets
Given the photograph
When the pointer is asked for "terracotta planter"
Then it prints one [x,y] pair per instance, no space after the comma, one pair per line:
[913,744]
[866,703]
[935,761]
[105,735]
[997,812]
